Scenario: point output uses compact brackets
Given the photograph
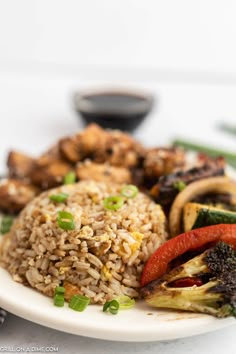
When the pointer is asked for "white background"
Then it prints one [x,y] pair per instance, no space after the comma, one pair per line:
[184,52]
[180,35]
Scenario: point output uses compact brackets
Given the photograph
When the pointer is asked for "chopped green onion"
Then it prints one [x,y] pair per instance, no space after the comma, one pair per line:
[125,302]
[79,302]
[65,220]
[113,203]
[213,152]
[6,224]
[59,300]
[129,191]
[60,290]
[111,306]
[180,185]
[70,178]
[58,198]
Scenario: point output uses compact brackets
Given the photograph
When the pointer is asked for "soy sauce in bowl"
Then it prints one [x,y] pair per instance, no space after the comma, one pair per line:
[116,109]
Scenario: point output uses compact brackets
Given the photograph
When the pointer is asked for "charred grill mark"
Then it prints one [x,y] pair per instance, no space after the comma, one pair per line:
[224,199]
[165,191]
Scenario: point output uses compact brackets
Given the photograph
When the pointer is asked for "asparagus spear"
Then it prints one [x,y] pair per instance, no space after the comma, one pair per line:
[230,157]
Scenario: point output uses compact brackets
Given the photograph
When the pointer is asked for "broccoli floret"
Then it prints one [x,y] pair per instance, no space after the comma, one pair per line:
[221,259]
[215,269]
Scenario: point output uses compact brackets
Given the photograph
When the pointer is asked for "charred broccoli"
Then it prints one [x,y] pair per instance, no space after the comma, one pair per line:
[206,283]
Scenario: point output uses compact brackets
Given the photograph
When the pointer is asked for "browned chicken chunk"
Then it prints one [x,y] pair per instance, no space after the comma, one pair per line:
[19,164]
[53,153]
[101,145]
[123,150]
[15,194]
[102,172]
[162,161]
[70,149]
[49,173]
[84,144]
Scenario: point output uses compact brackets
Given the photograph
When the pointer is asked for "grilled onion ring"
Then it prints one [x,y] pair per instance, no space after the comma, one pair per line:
[203,186]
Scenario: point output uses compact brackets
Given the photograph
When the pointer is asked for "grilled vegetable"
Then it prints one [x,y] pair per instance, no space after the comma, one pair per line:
[193,240]
[224,201]
[212,290]
[198,215]
[201,187]
[167,188]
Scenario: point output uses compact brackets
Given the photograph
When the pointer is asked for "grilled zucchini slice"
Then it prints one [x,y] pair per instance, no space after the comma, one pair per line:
[198,215]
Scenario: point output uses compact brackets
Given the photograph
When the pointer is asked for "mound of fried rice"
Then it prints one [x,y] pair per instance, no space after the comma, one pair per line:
[101,258]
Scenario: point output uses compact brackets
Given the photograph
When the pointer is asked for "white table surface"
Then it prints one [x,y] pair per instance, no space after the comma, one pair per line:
[36,109]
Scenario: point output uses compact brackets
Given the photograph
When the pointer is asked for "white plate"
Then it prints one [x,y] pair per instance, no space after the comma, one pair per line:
[139,324]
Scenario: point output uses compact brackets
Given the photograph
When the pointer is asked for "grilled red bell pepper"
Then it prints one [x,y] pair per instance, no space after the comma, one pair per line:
[186,282]
[192,240]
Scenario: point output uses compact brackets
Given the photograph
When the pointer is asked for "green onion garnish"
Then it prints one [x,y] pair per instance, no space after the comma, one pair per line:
[59,300]
[70,178]
[65,220]
[60,290]
[79,302]
[211,151]
[59,293]
[180,185]
[6,224]
[58,198]
[113,203]
[125,302]
[129,191]
[111,306]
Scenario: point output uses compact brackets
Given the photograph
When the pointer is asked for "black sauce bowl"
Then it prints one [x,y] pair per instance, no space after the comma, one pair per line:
[113,108]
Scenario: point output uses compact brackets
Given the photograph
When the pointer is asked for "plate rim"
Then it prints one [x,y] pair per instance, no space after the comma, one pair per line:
[111,328]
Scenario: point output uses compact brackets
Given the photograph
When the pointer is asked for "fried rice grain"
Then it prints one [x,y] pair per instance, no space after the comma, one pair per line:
[101,258]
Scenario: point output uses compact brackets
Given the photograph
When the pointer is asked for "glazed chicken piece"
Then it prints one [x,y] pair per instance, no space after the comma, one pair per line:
[101,146]
[20,165]
[15,194]
[53,153]
[102,172]
[160,162]
[48,173]
[83,145]
[123,150]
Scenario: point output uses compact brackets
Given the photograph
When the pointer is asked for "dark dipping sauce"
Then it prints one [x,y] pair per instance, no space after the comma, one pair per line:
[113,109]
